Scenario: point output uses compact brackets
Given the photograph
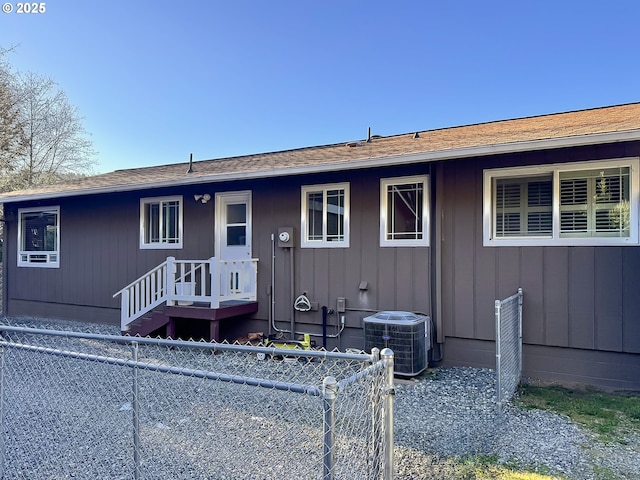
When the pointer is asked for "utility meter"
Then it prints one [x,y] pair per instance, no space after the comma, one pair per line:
[285,237]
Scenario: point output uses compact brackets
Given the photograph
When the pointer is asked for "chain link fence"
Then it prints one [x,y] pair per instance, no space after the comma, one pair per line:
[508,347]
[89,406]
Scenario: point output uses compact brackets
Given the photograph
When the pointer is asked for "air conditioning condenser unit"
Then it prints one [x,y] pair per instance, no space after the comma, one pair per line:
[406,333]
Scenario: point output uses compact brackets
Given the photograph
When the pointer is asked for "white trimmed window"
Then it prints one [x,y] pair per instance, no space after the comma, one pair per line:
[404,212]
[161,222]
[325,215]
[39,237]
[587,203]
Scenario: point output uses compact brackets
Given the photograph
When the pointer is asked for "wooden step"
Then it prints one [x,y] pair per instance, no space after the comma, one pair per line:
[144,326]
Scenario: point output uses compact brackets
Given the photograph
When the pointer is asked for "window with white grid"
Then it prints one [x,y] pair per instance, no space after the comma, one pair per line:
[161,222]
[404,212]
[325,215]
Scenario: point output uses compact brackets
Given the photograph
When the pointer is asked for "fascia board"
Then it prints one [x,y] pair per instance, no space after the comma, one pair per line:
[439,155]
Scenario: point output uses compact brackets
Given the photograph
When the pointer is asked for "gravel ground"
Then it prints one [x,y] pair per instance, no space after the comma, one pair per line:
[451,412]
[443,414]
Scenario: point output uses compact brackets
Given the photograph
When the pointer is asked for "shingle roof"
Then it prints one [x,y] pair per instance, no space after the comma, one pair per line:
[547,131]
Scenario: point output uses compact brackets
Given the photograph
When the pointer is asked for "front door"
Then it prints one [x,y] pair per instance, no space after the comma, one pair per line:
[233,245]
[233,226]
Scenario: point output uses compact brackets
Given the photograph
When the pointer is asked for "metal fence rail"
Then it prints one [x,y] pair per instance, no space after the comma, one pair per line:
[76,405]
[508,347]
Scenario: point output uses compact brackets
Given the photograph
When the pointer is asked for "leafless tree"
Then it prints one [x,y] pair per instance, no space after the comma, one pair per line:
[12,141]
[56,145]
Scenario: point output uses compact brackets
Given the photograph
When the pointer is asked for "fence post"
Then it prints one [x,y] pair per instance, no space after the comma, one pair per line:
[498,305]
[376,419]
[136,413]
[520,301]
[329,392]
[387,356]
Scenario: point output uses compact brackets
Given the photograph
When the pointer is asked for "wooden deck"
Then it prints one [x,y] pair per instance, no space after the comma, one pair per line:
[168,321]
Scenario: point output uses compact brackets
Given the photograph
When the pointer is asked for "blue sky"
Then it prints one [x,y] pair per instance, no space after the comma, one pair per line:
[158,80]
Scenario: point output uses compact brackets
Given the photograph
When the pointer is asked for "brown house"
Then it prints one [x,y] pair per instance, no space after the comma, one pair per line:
[439,222]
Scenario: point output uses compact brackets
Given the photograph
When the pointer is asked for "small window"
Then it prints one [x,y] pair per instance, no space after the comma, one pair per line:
[39,237]
[325,215]
[161,222]
[404,212]
[588,203]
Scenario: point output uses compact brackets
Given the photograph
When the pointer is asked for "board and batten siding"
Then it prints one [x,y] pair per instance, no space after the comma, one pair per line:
[100,254]
[398,278]
[577,299]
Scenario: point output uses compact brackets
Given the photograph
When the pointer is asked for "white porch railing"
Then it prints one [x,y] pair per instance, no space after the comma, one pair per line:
[188,281]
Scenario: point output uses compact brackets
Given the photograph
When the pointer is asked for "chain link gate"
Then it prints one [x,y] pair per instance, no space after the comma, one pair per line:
[508,347]
[77,405]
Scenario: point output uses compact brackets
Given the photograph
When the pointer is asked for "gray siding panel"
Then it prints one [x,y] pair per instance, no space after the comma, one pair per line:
[555,291]
[421,276]
[463,246]
[405,275]
[387,279]
[485,287]
[620,371]
[508,271]
[608,298]
[581,298]
[447,247]
[531,281]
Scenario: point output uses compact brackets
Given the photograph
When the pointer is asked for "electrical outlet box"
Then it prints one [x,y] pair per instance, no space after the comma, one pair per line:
[341,306]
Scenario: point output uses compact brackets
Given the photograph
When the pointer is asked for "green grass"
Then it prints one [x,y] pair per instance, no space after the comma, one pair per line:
[486,467]
[612,416]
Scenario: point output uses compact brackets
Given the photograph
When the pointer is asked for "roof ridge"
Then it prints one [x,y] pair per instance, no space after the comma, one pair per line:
[515,119]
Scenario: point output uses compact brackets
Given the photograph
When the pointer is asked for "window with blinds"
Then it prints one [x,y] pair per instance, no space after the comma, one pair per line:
[523,207]
[595,203]
[586,203]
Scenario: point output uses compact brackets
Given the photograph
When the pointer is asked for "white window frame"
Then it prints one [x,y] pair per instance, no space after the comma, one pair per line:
[324,243]
[30,258]
[489,200]
[385,223]
[160,244]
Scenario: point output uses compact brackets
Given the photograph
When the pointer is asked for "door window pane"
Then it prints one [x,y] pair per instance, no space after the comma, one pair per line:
[237,213]
[236,235]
